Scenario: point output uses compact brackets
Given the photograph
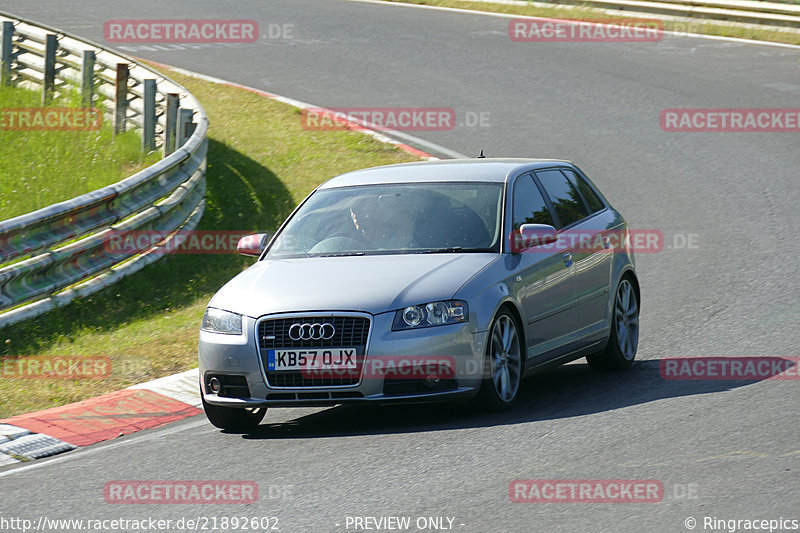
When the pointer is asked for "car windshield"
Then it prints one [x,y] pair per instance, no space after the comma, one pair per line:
[394,218]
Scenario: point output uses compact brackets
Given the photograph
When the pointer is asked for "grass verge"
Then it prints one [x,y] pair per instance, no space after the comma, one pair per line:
[578,12]
[40,168]
[261,163]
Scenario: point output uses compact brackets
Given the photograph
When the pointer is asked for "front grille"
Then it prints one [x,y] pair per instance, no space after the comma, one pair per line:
[351,331]
[343,395]
[296,378]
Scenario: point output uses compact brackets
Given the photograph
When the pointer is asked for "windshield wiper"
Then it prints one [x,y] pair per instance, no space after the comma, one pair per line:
[342,254]
[449,249]
[454,249]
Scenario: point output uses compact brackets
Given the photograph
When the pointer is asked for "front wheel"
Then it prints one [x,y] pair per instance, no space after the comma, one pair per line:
[503,366]
[624,339]
[234,418]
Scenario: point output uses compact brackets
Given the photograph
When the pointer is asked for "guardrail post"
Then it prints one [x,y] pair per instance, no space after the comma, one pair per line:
[149,118]
[26,285]
[6,52]
[185,125]
[121,97]
[170,128]
[87,78]
[49,87]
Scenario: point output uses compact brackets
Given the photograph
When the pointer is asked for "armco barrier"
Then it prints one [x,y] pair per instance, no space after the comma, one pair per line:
[767,14]
[55,254]
[784,16]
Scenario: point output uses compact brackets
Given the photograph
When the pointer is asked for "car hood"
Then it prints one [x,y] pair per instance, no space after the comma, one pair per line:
[373,284]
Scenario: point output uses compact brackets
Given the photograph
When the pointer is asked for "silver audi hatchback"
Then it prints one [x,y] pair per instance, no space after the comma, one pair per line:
[420,282]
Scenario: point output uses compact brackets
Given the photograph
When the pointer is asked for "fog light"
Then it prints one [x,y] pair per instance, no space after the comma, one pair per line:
[214,385]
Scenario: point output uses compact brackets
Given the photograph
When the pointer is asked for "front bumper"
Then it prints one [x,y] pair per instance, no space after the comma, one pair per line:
[236,359]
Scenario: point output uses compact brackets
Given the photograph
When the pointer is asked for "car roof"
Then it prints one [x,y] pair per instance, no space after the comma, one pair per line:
[483,169]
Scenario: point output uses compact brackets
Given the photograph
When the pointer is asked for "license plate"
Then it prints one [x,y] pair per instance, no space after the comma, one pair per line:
[311,359]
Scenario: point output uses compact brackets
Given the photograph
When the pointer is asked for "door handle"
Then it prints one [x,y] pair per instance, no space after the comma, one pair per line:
[568,259]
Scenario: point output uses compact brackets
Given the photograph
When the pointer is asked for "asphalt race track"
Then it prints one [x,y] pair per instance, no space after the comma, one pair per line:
[724,449]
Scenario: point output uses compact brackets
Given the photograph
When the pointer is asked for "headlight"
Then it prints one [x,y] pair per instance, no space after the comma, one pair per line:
[432,314]
[219,321]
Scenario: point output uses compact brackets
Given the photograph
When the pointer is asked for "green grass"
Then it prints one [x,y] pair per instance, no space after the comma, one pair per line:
[699,26]
[39,168]
[261,163]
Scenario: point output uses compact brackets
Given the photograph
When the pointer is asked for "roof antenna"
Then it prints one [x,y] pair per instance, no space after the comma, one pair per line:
[481,156]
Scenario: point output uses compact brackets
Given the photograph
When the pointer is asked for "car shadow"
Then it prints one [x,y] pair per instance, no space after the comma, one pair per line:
[564,392]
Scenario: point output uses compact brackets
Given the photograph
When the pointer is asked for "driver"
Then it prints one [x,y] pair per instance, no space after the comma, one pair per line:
[381,224]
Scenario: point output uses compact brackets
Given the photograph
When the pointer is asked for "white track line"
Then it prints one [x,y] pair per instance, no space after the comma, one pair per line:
[385,136]
[91,450]
[531,17]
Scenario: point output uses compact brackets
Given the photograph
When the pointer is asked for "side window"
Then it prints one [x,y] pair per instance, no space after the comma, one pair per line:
[565,198]
[594,202]
[529,205]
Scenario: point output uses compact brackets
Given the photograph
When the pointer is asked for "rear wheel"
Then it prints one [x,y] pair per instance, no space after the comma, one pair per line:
[503,366]
[624,339]
[234,418]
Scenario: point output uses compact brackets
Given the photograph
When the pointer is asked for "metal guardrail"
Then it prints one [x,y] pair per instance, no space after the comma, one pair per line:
[739,11]
[771,15]
[58,253]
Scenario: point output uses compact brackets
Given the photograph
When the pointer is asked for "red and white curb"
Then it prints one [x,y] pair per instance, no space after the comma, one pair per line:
[60,429]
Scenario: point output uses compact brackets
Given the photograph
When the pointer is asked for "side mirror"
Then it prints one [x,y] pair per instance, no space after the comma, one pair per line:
[252,244]
[530,235]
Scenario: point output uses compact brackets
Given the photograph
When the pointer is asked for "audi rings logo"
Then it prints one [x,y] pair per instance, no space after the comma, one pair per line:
[311,332]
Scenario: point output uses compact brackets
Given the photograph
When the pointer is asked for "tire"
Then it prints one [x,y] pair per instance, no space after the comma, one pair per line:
[236,419]
[503,364]
[620,351]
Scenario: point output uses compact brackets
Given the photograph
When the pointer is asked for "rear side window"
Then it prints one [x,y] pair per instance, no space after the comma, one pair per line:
[592,200]
[566,201]
[529,204]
